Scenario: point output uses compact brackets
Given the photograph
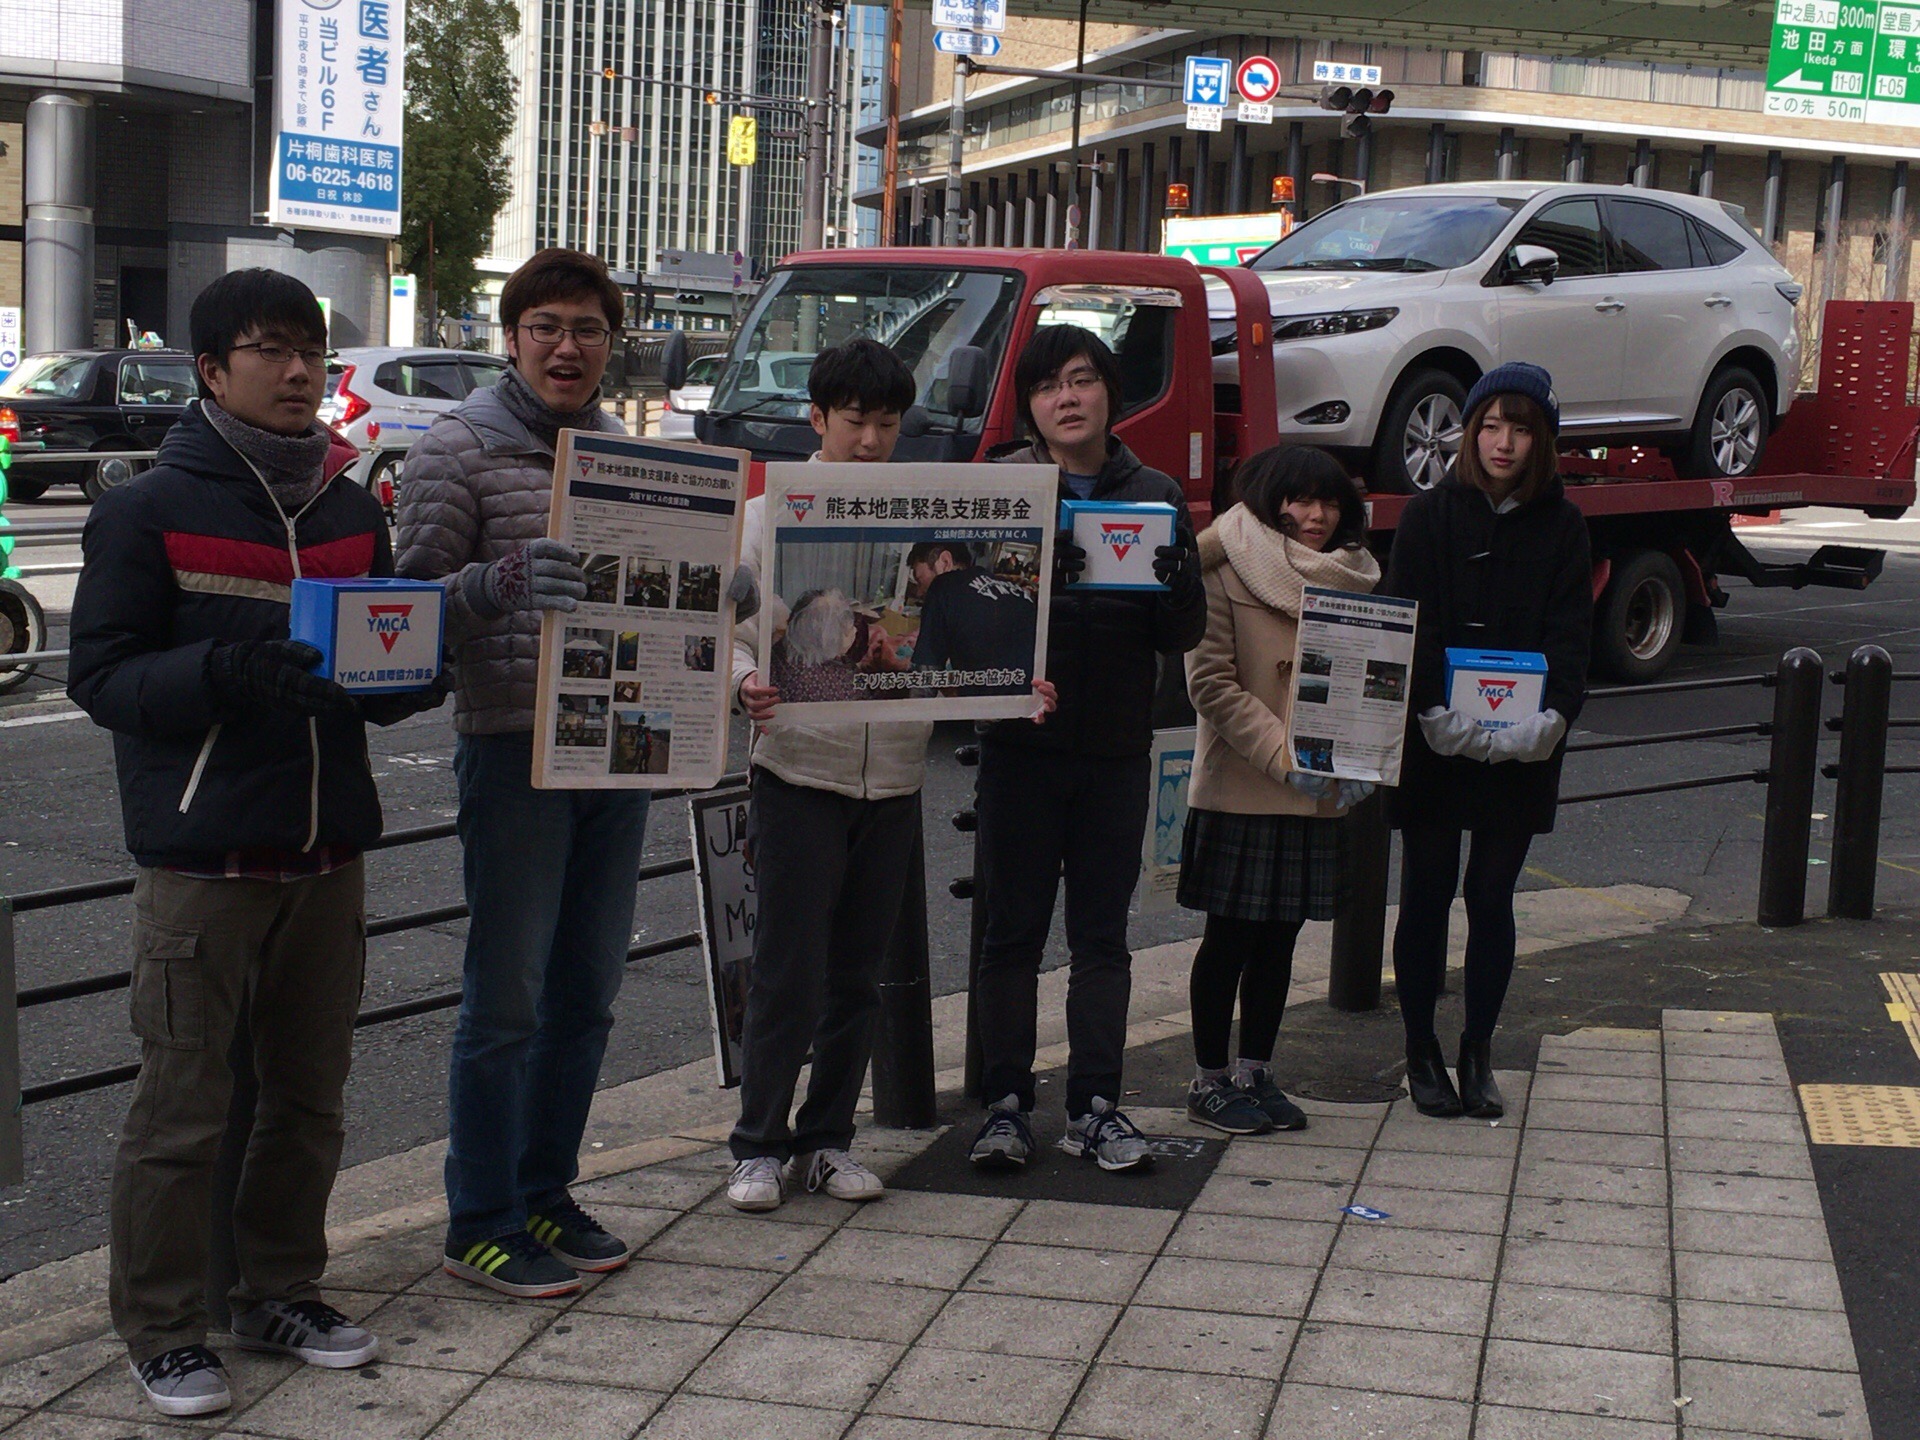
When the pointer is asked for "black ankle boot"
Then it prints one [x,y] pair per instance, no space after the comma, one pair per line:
[1427,1079]
[1479,1096]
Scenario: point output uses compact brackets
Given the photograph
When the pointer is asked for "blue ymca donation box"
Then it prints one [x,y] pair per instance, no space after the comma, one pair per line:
[374,636]
[1119,538]
[1498,688]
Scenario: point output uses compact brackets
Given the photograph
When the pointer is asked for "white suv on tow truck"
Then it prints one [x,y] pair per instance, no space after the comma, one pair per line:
[1662,318]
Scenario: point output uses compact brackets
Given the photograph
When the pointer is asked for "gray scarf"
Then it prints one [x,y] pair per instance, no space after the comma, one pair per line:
[542,419]
[294,467]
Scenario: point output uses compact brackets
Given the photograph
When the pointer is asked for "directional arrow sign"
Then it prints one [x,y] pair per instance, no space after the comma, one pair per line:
[1257,80]
[1207,76]
[1823,51]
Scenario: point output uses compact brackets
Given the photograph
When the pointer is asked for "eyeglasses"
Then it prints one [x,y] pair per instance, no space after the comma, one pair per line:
[1080,383]
[277,354]
[587,337]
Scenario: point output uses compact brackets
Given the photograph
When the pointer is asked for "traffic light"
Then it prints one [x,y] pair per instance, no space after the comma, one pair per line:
[1356,104]
[1179,198]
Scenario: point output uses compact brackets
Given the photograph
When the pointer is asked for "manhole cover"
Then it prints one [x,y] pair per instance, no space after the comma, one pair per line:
[1349,1090]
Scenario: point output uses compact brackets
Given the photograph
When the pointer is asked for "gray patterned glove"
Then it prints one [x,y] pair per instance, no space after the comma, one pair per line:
[1352,792]
[541,574]
[743,593]
[1530,740]
[1314,787]
[1449,732]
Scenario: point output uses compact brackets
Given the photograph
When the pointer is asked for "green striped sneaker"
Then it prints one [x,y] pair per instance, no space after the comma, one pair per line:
[577,1239]
[514,1264]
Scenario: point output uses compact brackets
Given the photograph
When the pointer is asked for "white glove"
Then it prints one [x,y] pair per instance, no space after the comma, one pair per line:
[1531,740]
[1449,732]
[1352,792]
[1314,787]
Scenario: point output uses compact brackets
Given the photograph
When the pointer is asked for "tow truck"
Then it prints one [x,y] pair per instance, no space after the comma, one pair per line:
[959,317]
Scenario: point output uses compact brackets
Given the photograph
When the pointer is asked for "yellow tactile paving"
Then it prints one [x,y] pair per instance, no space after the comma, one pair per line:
[1903,1004]
[1862,1114]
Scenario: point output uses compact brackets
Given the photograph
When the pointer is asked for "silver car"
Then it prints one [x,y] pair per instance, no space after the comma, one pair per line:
[383,398]
[1662,317]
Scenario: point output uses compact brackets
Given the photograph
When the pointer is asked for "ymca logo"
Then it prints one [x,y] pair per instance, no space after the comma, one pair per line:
[1494,691]
[800,505]
[1121,538]
[389,622]
[585,462]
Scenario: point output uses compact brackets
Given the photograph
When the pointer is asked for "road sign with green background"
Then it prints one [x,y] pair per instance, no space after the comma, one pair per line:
[1848,60]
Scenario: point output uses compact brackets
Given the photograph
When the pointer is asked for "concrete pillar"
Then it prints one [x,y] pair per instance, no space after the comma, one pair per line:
[1238,173]
[1770,198]
[1202,170]
[1836,244]
[1894,285]
[1297,166]
[1436,154]
[1708,155]
[57,258]
[1507,158]
[1053,217]
[1120,198]
[1576,166]
[1149,233]
[1643,164]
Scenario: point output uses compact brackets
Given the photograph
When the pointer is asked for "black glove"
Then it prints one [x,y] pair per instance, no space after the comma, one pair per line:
[392,708]
[1069,560]
[274,675]
[1177,568]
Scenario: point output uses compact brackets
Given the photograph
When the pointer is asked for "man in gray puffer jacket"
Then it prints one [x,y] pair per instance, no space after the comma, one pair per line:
[550,874]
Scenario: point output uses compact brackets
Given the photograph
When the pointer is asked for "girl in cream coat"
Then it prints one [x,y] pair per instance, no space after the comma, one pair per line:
[1262,852]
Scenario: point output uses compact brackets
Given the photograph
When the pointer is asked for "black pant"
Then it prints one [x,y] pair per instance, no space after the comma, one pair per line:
[1042,812]
[1251,959]
[829,873]
[1429,876]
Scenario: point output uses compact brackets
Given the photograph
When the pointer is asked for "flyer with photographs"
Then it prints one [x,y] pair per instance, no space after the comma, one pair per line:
[631,691]
[1160,860]
[1351,666]
[906,592]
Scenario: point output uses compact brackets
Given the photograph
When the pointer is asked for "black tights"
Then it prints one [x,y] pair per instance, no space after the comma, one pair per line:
[1250,958]
[1429,876]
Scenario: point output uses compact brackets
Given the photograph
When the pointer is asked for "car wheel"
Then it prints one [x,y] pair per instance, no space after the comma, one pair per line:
[1730,429]
[1638,623]
[1420,433]
[106,474]
[22,489]
[23,628]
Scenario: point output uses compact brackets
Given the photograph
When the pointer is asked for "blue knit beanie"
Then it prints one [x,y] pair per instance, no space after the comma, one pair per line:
[1516,377]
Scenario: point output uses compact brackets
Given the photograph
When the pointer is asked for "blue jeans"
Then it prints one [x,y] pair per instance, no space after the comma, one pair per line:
[550,878]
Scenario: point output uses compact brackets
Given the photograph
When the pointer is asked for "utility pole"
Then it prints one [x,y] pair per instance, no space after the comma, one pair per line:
[1073,191]
[890,156]
[951,233]
[813,185]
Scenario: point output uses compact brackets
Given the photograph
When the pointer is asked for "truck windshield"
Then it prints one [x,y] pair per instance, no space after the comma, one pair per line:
[1413,232]
[920,313]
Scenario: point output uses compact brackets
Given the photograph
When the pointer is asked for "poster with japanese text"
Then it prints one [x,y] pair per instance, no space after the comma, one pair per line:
[1351,666]
[1172,768]
[339,83]
[632,694]
[906,592]
[729,910]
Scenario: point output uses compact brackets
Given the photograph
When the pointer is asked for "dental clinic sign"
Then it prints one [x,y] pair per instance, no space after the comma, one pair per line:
[339,72]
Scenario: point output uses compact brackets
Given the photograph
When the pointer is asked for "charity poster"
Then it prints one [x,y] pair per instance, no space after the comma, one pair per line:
[1352,665]
[906,592]
[1172,768]
[633,688]
[729,909]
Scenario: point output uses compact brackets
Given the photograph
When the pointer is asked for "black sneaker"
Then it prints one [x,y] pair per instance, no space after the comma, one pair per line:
[576,1238]
[189,1380]
[1006,1140]
[514,1264]
[1224,1106]
[1260,1089]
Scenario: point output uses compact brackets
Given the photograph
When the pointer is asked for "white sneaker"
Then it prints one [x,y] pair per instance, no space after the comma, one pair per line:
[837,1173]
[756,1184]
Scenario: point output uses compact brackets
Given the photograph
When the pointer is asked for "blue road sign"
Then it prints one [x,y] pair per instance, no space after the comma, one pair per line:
[965,42]
[1207,79]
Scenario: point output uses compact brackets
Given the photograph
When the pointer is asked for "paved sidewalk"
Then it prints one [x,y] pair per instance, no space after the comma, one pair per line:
[1636,1252]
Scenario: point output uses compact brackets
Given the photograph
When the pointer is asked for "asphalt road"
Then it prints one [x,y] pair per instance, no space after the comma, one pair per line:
[59,824]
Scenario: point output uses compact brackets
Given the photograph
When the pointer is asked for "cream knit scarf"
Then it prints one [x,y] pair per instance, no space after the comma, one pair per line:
[1276,569]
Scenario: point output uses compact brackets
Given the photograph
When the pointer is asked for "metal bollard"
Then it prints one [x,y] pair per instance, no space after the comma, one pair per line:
[1360,926]
[903,1090]
[13,1167]
[1862,778]
[1791,767]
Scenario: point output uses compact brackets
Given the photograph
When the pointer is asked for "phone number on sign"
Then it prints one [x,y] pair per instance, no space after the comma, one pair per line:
[330,175]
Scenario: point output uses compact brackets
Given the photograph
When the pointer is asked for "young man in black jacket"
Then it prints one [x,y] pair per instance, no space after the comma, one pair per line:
[247,800]
[1073,792]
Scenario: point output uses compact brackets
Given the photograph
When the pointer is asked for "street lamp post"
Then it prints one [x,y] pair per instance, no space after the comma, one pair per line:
[1322,177]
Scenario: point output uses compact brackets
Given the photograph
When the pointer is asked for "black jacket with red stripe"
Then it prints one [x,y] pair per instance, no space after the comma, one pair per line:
[189,555]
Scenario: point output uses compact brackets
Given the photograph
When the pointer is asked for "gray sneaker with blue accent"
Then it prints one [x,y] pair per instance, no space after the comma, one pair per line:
[1108,1138]
[1005,1142]
[309,1330]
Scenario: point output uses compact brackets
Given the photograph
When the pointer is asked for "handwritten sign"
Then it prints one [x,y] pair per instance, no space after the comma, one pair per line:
[729,910]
